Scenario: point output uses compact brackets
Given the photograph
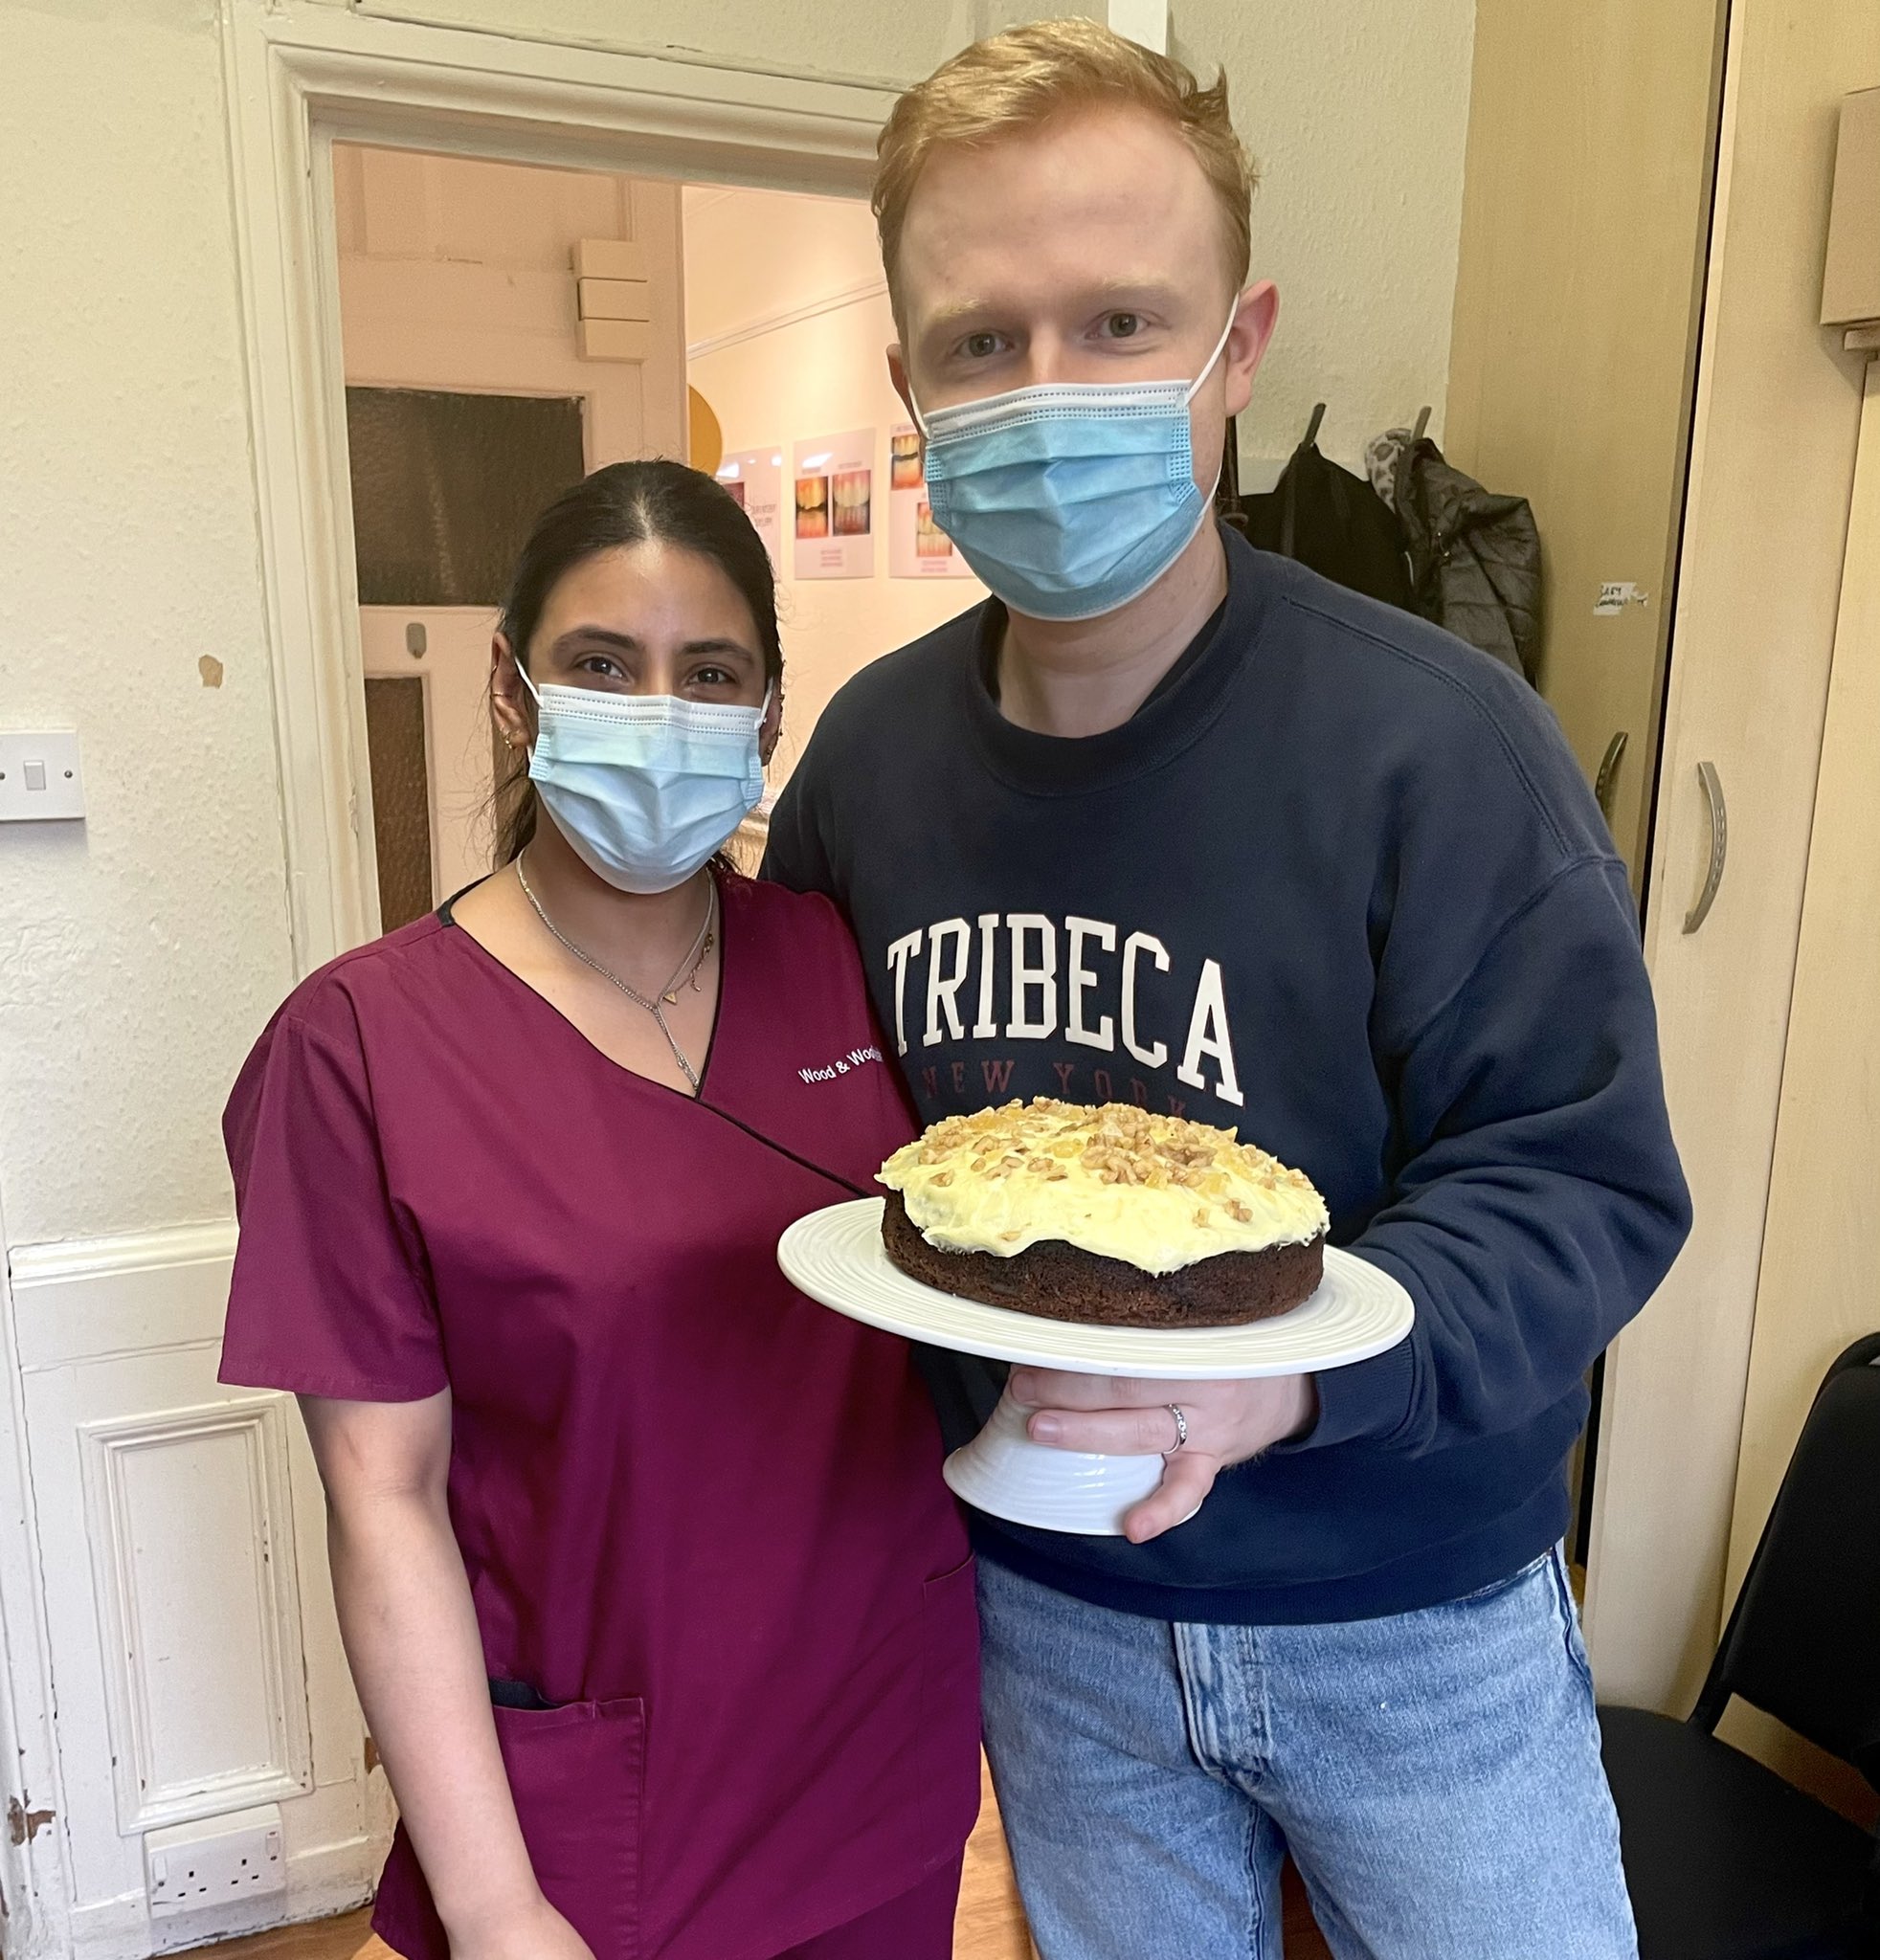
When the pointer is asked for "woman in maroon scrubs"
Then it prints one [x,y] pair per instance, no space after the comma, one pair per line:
[662,1617]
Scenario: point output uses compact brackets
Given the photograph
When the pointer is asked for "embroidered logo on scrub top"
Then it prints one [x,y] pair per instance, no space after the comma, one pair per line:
[856,1058]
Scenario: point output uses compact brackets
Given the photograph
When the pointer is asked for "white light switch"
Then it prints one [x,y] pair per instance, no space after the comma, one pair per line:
[39,775]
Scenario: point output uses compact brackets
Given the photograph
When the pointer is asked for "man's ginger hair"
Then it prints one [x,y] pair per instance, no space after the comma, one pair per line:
[1015,83]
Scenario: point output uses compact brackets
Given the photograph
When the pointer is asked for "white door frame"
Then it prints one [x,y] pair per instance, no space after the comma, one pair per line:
[299,73]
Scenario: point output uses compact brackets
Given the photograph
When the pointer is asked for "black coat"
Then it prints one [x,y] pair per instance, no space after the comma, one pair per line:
[1474,556]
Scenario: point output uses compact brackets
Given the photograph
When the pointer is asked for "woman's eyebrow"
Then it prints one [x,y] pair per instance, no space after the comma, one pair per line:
[579,637]
[718,646]
[587,635]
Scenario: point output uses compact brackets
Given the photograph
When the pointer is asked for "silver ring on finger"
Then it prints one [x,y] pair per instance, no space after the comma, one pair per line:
[1182,1429]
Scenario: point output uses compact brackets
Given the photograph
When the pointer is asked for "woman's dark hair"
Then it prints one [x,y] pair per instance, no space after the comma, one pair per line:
[648,503]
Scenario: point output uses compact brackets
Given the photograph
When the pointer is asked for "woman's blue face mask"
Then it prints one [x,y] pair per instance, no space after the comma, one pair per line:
[1069,498]
[644,787]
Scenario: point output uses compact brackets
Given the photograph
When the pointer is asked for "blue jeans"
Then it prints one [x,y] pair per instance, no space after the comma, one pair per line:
[1435,1774]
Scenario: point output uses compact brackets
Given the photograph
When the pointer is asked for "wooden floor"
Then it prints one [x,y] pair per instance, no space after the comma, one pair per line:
[991,1925]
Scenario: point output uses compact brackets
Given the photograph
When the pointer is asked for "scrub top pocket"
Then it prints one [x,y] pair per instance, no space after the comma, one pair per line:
[577,1774]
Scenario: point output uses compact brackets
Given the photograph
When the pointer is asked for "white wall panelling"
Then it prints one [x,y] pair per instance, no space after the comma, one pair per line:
[191,1536]
[197,1661]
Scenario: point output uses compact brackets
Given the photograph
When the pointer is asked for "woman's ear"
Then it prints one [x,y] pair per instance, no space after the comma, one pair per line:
[768,735]
[508,698]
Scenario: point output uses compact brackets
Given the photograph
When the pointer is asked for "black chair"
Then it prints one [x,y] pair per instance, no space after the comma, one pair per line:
[1725,1859]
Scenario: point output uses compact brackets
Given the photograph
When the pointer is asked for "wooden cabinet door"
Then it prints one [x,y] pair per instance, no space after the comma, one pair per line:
[1776,427]
[1578,280]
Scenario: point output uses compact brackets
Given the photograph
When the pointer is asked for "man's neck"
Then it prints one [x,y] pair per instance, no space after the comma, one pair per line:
[1082,677]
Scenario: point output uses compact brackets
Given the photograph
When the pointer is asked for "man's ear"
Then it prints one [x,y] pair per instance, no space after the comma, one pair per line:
[1254,317]
[896,373]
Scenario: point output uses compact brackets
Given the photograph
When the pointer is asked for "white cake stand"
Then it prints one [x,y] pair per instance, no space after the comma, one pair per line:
[836,1258]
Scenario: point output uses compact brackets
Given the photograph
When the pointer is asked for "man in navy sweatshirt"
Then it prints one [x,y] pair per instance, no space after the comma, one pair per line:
[1172,822]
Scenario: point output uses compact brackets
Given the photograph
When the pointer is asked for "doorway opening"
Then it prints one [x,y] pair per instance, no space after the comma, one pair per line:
[506,328]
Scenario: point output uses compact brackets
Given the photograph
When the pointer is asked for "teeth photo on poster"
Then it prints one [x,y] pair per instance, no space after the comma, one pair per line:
[755,477]
[917,548]
[833,492]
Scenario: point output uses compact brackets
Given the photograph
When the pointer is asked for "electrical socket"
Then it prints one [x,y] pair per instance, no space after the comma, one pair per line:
[214,1861]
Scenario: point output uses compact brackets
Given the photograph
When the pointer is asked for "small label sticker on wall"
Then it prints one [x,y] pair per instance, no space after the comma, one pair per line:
[1615,597]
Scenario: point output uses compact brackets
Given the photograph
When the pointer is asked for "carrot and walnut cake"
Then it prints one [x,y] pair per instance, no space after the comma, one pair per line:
[1111,1215]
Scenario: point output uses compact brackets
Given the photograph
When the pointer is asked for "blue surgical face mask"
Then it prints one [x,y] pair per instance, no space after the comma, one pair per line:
[1070,498]
[644,788]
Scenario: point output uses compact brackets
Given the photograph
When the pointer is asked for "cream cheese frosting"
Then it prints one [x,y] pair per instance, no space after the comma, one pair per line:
[1158,1191]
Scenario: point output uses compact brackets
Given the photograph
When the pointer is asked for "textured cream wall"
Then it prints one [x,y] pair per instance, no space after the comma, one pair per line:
[140,953]
[1357,116]
[139,959]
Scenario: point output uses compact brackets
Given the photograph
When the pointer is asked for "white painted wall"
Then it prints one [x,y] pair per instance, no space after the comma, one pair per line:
[1357,116]
[140,954]
[752,255]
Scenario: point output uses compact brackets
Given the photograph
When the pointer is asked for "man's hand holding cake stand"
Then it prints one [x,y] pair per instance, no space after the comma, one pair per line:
[1120,1415]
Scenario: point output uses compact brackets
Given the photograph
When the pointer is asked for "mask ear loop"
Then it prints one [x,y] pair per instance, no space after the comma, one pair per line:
[535,695]
[1195,385]
[1195,388]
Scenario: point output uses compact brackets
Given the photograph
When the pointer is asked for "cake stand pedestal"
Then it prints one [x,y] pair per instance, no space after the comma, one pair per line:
[836,1258]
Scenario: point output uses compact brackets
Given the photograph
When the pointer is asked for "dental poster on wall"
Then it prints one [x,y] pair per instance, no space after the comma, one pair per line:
[833,488]
[755,477]
[917,548]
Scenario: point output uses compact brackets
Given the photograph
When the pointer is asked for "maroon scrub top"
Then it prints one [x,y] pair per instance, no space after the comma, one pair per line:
[699,1512]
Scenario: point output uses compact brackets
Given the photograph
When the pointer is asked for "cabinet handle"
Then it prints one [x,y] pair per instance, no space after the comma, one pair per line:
[1608,776]
[1706,775]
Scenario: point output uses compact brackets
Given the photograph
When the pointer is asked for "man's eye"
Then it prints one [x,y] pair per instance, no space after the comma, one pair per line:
[978,345]
[1122,326]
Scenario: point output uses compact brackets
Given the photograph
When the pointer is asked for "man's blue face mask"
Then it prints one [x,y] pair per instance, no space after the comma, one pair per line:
[1070,498]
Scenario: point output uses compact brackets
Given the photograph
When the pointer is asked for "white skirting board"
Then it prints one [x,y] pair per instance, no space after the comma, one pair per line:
[320,1883]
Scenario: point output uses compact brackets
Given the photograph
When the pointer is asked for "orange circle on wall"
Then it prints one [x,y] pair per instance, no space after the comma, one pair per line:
[705,439]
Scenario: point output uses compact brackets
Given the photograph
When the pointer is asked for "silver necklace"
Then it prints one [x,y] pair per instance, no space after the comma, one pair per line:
[667,996]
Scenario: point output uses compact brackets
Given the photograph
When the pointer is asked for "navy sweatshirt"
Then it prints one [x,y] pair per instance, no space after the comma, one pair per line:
[1340,886]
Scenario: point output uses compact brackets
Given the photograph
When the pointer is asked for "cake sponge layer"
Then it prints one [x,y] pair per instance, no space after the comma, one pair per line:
[1064,1283]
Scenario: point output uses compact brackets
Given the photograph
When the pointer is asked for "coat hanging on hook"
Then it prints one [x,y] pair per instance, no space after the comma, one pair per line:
[1331,521]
